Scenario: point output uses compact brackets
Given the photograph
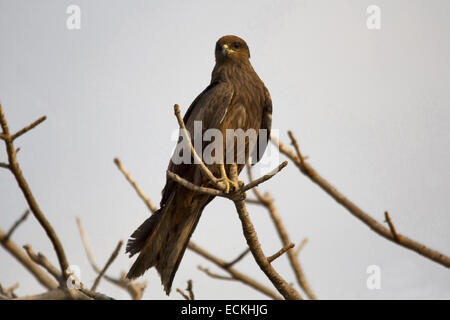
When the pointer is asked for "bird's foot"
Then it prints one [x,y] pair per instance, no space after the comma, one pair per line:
[230,185]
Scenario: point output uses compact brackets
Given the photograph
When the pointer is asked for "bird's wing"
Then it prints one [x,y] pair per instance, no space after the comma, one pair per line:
[209,107]
[266,123]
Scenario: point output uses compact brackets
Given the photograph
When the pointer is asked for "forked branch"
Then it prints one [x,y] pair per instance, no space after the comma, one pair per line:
[388,233]
[238,198]
[14,167]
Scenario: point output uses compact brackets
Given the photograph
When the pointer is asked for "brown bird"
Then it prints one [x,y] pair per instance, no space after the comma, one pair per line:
[236,98]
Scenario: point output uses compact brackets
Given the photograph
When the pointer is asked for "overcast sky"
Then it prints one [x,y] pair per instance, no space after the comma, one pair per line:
[370,107]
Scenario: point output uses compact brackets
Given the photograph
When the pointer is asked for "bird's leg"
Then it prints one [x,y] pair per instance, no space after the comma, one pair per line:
[227,180]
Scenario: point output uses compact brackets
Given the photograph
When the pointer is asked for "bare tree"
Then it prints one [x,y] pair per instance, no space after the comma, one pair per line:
[60,283]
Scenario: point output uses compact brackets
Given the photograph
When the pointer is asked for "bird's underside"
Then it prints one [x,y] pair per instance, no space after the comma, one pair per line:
[235,99]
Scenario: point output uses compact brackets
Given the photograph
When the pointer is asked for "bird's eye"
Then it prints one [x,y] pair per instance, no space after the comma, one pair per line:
[236,45]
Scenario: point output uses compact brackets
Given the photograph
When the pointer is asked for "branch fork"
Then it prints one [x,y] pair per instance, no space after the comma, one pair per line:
[238,198]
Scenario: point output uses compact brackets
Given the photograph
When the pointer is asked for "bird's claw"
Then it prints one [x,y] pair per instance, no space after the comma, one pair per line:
[230,185]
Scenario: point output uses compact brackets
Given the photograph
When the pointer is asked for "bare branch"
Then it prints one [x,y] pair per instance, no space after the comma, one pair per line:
[379,228]
[300,247]
[135,289]
[185,296]
[22,257]
[87,246]
[67,294]
[238,258]
[28,128]
[190,295]
[93,295]
[41,260]
[280,252]
[197,158]
[296,147]
[8,293]
[190,290]
[59,294]
[252,240]
[233,272]
[252,201]
[17,223]
[249,232]
[238,197]
[391,226]
[108,263]
[268,203]
[135,186]
[32,203]
[214,275]
[264,178]
[191,186]
[4,165]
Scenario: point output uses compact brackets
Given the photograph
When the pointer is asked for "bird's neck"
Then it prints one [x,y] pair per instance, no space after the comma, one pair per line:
[232,71]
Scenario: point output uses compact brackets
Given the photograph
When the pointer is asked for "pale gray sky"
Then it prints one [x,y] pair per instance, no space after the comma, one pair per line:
[370,107]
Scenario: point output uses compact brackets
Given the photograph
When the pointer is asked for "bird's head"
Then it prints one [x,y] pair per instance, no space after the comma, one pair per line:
[232,48]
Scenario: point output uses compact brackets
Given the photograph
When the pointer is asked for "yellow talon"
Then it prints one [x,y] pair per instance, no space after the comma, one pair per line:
[228,181]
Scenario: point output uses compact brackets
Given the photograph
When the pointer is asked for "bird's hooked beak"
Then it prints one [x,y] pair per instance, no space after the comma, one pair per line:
[226,50]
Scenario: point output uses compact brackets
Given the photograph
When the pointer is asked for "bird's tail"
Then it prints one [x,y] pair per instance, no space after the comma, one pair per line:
[162,240]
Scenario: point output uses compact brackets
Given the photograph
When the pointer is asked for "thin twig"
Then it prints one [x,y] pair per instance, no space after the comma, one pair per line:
[252,201]
[300,247]
[41,260]
[280,252]
[185,296]
[23,258]
[73,294]
[135,289]
[8,293]
[197,158]
[214,275]
[108,263]
[238,258]
[379,228]
[17,223]
[28,128]
[190,295]
[11,289]
[391,226]
[264,178]
[296,147]
[135,186]
[190,290]
[191,186]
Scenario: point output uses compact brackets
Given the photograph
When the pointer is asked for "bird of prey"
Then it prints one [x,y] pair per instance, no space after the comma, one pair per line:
[236,98]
